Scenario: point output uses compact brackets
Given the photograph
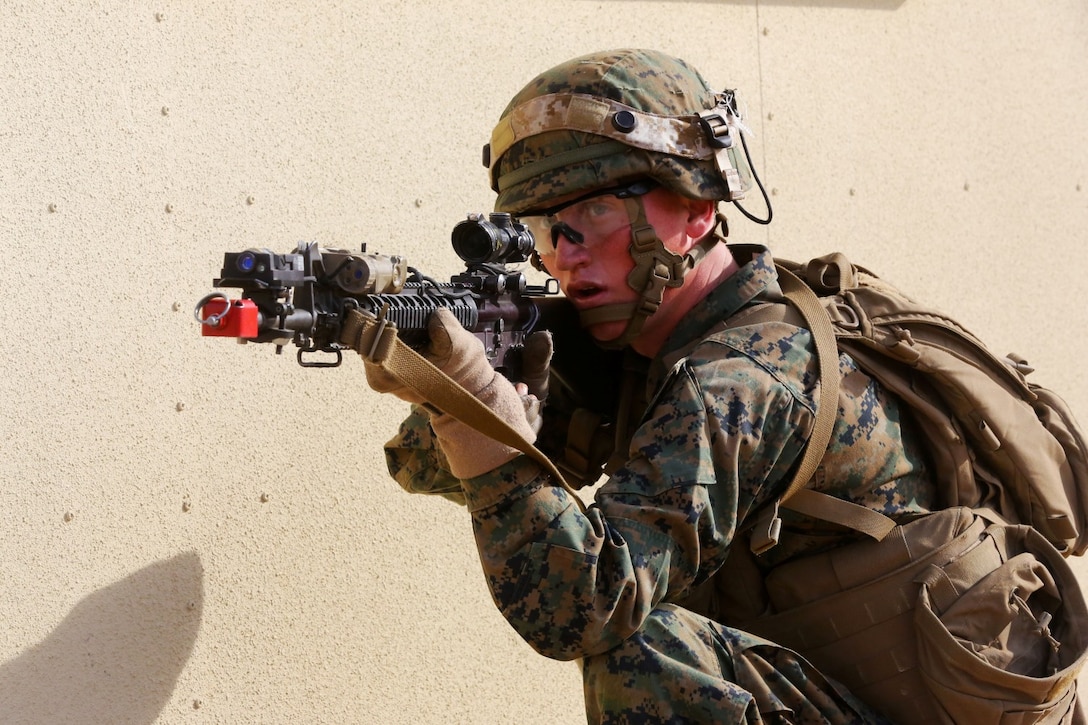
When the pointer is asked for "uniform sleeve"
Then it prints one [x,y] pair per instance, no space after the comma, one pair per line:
[415,460]
[575,583]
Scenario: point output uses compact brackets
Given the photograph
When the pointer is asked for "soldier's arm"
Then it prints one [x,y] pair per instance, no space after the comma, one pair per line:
[417,463]
[575,583]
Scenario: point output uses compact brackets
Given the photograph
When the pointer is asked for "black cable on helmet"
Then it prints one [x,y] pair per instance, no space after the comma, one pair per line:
[759,183]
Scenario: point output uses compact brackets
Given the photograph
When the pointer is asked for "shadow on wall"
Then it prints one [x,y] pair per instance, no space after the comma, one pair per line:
[116,657]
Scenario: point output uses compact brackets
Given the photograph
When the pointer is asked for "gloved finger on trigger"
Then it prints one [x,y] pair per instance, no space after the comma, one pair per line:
[534,412]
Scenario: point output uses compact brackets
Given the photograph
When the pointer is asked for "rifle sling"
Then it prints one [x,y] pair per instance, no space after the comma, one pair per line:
[378,342]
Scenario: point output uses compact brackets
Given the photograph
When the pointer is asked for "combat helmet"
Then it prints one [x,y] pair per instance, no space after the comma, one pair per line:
[610,118]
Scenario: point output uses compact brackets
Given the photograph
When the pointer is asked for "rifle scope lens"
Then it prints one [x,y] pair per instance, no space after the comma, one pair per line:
[496,239]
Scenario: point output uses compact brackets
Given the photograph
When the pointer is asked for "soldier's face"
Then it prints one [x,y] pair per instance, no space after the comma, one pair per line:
[594,271]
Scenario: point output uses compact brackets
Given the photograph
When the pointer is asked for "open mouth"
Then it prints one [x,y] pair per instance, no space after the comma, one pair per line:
[584,292]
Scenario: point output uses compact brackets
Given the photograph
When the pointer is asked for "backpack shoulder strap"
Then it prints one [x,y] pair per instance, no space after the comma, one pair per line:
[768,526]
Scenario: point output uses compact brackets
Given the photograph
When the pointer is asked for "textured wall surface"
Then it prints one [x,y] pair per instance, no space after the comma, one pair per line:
[199,532]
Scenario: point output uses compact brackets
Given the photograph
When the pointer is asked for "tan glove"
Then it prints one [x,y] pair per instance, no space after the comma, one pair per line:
[460,355]
[533,385]
[383,382]
[536,358]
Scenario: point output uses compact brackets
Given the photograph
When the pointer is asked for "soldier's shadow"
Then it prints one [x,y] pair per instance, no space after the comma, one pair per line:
[117,655]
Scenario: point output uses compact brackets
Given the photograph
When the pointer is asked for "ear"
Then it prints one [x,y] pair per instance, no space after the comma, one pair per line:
[702,218]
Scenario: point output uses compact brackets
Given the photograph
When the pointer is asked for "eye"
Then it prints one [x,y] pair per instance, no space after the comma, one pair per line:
[597,209]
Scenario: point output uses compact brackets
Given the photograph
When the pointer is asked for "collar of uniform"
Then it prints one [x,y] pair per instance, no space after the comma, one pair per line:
[755,278]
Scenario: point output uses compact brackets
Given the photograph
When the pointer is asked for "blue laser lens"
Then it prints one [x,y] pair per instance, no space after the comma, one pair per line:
[246,262]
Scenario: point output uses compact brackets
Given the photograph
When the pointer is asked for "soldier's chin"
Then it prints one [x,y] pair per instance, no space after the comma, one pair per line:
[607,331]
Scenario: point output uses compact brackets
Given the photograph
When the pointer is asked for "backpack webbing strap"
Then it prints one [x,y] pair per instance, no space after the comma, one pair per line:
[822,506]
[375,338]
[796,497]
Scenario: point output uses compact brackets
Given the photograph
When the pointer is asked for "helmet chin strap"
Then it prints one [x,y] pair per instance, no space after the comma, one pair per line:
[656,268]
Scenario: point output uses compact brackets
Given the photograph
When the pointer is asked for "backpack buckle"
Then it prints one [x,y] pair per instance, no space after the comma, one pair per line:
[766,532]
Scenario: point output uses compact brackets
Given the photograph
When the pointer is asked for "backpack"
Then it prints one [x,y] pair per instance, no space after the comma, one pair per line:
[996,440]
[968,614]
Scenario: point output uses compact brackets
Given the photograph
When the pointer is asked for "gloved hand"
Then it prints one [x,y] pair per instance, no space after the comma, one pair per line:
[459,354]
[535,360]
[532,402]
[383,382]
[536,357]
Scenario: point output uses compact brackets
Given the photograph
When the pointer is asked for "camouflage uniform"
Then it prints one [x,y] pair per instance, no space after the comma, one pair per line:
[615,585]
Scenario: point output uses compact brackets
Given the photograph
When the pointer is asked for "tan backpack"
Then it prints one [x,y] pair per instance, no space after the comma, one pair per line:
[996,440]
[964,615]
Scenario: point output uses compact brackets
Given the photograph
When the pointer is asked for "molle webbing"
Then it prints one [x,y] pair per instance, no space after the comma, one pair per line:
[955,617]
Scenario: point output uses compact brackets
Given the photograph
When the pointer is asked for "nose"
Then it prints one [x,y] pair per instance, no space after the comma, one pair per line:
[569,254]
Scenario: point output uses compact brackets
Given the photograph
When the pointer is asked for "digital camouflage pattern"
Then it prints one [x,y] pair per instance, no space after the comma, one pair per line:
[681,667]
[718,441]
[546,169]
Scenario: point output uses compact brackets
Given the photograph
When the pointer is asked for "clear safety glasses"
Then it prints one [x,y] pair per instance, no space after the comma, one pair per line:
[585,220]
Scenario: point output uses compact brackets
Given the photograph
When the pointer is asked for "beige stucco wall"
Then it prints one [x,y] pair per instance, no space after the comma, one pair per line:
[193,531]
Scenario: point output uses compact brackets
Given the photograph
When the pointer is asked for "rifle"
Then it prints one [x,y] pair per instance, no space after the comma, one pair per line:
[302,297]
